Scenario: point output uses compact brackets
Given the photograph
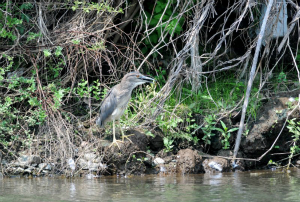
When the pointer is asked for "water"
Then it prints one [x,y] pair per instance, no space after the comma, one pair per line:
[247,186]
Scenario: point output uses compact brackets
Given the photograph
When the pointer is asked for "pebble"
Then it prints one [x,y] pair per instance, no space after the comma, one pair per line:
[90,156]
[158,161]
[215,166]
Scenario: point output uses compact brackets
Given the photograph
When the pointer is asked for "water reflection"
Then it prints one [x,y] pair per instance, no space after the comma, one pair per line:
[247,186]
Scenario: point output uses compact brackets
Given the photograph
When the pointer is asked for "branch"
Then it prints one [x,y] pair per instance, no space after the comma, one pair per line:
[250,82]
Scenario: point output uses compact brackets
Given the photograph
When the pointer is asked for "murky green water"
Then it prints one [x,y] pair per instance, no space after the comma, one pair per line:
[248,186]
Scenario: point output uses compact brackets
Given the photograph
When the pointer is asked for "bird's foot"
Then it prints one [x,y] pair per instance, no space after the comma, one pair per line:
[127,137]
[115,142]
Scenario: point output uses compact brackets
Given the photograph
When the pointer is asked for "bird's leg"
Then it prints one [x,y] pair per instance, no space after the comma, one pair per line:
[123,135]
[115,141]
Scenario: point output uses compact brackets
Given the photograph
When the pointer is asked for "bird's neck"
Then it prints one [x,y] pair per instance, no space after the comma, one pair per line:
[125,86]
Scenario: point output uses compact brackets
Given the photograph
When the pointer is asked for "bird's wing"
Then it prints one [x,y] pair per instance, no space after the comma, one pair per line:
[107,106]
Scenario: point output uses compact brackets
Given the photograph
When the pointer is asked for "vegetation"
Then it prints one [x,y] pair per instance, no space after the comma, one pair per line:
[57,65]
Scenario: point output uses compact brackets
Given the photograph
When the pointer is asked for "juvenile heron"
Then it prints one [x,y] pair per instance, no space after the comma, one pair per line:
[116,100]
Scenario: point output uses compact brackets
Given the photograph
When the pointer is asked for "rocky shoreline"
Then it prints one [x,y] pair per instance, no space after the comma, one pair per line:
[146,155]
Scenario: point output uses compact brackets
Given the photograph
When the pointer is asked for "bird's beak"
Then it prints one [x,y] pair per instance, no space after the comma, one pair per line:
[146,79]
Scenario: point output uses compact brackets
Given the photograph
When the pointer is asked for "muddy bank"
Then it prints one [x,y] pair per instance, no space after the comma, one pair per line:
[142,154]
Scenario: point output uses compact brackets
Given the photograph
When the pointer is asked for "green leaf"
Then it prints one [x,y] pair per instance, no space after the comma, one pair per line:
[169,11]
[75,41]
[158,9]
[144,50]
[33,101]
[58,51]
[158,16]
[220,130]
[232,130]
[223,125]
[153,22]
[154,38]
[47,53]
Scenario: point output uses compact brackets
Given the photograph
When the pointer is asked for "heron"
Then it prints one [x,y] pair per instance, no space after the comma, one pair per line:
[116,100]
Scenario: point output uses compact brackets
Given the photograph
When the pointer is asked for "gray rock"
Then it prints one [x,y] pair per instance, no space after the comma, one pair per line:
[18,170]
[216,164]
[83,164]
[98,160]
[4,162]
[45,166]
[93,166]
[26,160]
[158,161]
[102,166]
[90,156]
[72,164]
[28,170]
[35,159]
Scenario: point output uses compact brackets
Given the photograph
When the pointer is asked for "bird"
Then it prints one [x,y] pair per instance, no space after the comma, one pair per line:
[116,100]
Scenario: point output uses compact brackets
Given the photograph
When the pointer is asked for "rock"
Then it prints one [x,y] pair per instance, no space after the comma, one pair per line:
[15,74]
[27,170]
[189,161]
[27,160]
[268,125]
[138,138]
[83,164]
[22,161]
[72,164]
[18,170]
[216,164]
[4,162]
[97,160]
[239,164]
[35,160]
[45,166]
[158,161]
[156,143]
[93,166]
[90,156]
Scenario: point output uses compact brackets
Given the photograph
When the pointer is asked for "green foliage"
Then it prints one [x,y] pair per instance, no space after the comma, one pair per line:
[58,51]
[220,95]
[178,125]
[32,36]
[226,134]
[21,109]
[99,7]
[208,128]
[13,19]
[76,41]
[163,18]
[98,46]
[161,77]
[47,52]
[84,90]
[294,128]
[168,143]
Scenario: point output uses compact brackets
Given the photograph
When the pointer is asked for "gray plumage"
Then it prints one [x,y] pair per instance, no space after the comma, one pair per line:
[116,100]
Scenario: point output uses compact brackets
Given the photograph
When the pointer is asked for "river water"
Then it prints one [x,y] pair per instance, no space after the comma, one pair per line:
[240,186]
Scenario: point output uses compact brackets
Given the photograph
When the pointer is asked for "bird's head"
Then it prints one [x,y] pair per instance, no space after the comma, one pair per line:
[135,78]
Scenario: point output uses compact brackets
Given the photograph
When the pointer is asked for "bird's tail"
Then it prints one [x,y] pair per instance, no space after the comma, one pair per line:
[99,122]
